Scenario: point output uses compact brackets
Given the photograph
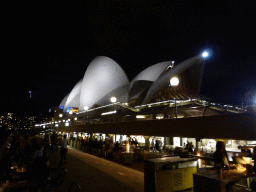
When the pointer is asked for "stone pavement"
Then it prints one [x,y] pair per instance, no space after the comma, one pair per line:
[97,174]
[137,165]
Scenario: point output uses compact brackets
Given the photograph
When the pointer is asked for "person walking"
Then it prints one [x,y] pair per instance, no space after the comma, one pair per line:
[110,150]
[54,140]
[63,148]
[46,139]
[220,156]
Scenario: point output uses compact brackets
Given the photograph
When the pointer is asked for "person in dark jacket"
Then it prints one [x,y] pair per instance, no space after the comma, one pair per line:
[220,156]
[249,154]
[54,137]
[157,145]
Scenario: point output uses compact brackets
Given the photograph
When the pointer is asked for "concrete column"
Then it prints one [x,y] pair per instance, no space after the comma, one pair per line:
[90,135]
[147,143]
[167,141]
[111,136]
[197,145]
[171,140]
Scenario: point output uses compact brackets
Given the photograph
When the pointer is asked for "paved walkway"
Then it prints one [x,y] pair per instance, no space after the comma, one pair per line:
[97,174]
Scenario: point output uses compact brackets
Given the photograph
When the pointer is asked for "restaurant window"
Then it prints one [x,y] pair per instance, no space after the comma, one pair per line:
[176,141]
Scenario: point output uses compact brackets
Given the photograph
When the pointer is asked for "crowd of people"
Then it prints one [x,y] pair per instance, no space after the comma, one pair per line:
[156,144]
[99,144]
[31,157]
[190,147]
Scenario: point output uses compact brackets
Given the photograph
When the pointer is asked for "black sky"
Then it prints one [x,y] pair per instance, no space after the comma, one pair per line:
[46,48]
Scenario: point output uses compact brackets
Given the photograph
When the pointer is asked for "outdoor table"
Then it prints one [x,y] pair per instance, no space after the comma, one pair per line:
[139,152]
[20,170]
[14,185]
[151,155]
[127,157]
[212,181]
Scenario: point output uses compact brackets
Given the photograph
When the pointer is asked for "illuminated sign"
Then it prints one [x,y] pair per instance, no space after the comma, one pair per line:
[68,109]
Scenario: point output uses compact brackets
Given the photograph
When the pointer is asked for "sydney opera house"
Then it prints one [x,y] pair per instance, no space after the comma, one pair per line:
[163,101]
[155,115]
[105,79]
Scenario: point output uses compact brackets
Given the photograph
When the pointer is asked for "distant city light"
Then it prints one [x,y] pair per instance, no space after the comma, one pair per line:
[205,54]
[60,115]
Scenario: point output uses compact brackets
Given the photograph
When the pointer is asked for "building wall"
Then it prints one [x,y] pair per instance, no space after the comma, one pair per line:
[232,126]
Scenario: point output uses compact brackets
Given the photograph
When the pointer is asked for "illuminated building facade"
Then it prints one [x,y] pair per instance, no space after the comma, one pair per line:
[163,102]
[104,79]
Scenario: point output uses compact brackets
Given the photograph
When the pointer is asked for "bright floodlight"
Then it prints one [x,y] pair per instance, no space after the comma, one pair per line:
[113,99]
[174,81]
[86,108]
[205,54]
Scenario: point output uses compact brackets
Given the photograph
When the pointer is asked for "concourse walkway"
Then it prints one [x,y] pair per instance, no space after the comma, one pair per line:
[97,174]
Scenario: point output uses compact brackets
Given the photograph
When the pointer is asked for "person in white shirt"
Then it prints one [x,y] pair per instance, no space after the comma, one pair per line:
[63,148]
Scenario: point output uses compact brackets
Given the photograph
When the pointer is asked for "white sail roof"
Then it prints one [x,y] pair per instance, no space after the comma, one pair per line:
[102,76]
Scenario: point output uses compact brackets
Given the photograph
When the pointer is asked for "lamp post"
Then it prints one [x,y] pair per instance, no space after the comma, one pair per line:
[113,100]
[175,82]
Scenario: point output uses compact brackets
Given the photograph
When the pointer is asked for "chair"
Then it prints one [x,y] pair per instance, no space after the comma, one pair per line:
[74,187]
[55,183]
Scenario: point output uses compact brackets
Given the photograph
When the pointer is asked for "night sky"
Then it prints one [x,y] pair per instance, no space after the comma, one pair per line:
[46,48]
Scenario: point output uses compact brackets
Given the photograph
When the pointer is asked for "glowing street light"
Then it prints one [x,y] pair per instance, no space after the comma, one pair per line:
[205,54]
[175,82]
[113,99]
[86,108]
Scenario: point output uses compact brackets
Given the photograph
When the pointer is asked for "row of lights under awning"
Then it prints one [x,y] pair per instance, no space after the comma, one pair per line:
[164,102]
[137,107]
[101,107]
[55,122]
